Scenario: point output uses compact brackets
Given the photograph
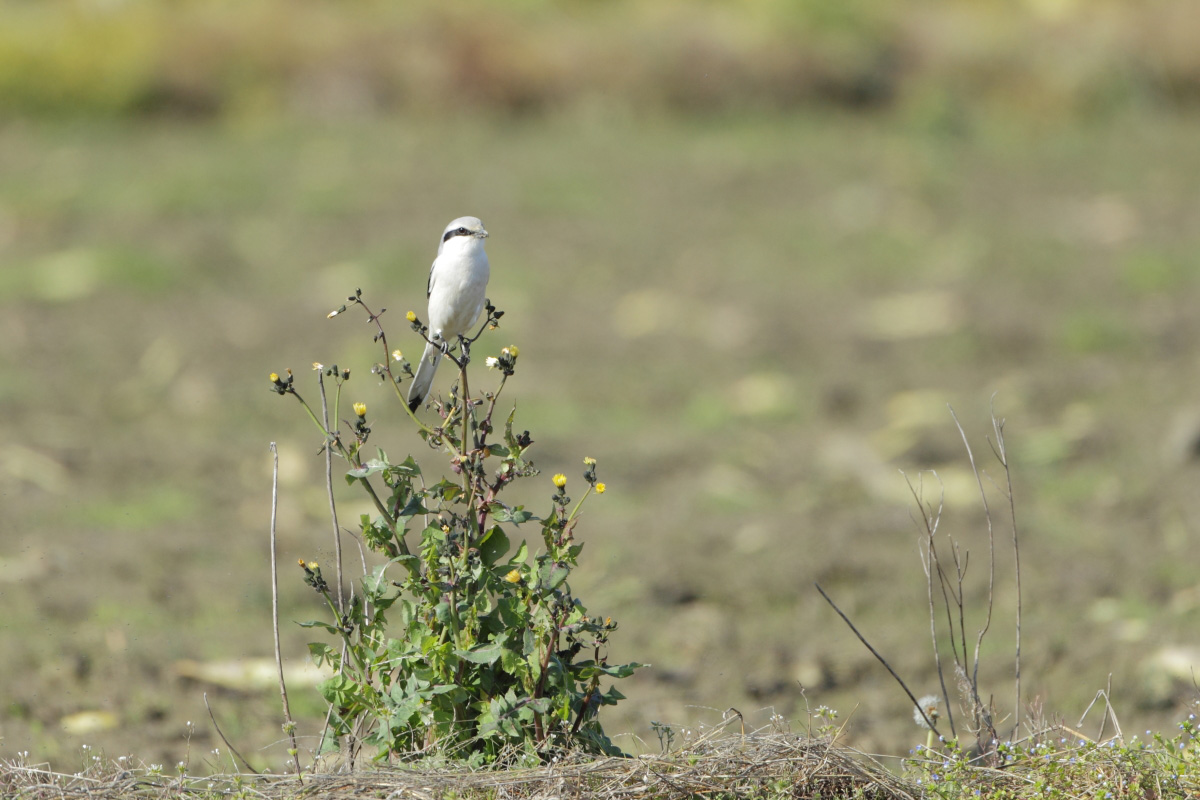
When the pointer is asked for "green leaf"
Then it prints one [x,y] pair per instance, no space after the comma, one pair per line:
[508,434]
[323,625]
[412,508]
[493,546]
[521,556]
[321,653]
[552,575]
[512,662]
[446,490]
[511,613]
[376,533]
[405,610]
[408,467]
[540,705]
[515,515]
[398,649]
[338,690]
[498,449]
[410,563]
[376,584]
[370,468]
[485,654]
[586,670]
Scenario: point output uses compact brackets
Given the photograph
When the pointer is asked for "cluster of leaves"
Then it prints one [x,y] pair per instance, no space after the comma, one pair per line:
[461,645]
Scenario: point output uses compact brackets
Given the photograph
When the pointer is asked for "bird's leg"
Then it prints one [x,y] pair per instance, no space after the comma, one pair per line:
[465,344]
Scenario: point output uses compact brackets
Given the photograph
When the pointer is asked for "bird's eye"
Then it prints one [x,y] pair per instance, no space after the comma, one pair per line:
[456,232]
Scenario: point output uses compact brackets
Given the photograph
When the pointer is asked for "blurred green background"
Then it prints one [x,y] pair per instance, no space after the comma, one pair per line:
[749,251]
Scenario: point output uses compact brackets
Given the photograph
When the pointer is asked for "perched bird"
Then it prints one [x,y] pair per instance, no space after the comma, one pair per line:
[457,283]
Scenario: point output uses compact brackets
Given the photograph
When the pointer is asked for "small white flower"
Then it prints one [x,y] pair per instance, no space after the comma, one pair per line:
[931,705]
[492,362]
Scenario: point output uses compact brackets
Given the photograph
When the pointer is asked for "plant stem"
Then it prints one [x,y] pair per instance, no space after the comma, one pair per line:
[289,723]
[337,531]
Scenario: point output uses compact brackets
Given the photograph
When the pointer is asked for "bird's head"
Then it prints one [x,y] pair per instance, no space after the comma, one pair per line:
[465,231]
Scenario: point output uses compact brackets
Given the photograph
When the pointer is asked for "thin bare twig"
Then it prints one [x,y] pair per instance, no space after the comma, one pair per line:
[931,521]
[1108,713]
[981,709]
[288,723]
[1000,449]
[880,658]
[232,749]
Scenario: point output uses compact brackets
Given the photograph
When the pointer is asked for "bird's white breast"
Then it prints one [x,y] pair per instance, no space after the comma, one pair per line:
[458,288]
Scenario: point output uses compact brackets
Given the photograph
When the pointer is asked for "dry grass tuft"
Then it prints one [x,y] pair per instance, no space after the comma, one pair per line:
[760,764]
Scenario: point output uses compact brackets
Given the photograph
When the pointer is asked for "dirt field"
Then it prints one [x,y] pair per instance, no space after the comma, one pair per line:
[753,324]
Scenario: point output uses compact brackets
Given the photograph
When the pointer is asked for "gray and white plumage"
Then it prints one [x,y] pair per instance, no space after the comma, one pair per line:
[457,286]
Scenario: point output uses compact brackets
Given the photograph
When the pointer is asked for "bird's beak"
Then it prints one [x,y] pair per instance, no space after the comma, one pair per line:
[481,234]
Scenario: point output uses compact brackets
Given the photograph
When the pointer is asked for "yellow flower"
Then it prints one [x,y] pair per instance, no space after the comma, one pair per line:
[302,562]
[360,409]
[313,565]
[318,366]
[600,487]
[589,461]
[560,480]
[397,355]
[513,577]
[274,376]
[513,350]
[411,316]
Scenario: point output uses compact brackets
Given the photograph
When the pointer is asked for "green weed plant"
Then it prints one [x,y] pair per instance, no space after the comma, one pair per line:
[462,645]
[1059,762]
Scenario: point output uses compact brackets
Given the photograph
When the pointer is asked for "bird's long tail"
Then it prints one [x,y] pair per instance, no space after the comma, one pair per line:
[419,388]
